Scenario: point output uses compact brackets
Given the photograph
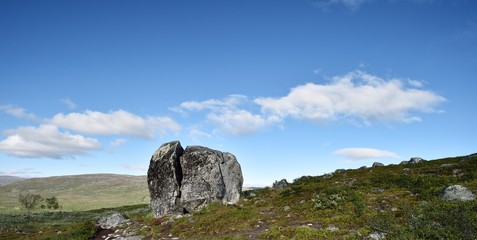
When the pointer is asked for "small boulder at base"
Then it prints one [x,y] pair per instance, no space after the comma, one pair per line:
[457,193]
[111,221]
[182,181]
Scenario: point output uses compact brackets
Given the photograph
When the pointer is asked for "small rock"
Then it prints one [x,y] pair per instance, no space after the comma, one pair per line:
[111,221]
[332,228]
[280,184]
[328,176]
[448,165]
[457,193]
[415,160]
[286,208]
[302,201]
[377,236]
[377,164]
[351,182]
[252,194]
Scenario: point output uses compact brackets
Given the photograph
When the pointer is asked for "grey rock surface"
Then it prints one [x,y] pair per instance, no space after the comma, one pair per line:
[415,160]
[164,177]
[111,221]
[377,164]
[182,181]
[280,184]
[457,193]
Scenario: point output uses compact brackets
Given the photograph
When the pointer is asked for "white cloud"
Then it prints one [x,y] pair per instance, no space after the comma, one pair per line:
[117,122]
[45,141]
[198,134]
[364,153]
[136,167]
[70,104]
[354,95]
[118,142]
[350,4]
[18,112]
[227,117]
[237,122]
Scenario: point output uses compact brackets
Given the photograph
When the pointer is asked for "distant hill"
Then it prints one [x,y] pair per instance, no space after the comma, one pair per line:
[79,192]
[5,180]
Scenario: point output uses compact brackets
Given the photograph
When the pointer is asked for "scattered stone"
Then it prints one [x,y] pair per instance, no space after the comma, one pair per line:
[302,201]
[111,221]
[456,171]
[416,160]
[328,176]
[448,165]
[182,181]
[332,228]
[280,184]
[131,238]
[457,193]
[252,194]
[377,164]
[286,208]
[377,236]
[469,157]
[351,182]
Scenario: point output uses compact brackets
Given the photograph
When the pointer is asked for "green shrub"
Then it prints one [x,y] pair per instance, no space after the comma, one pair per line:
[328,201]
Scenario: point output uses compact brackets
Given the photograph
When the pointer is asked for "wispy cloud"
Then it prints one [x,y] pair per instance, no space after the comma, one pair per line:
[118,142]
[117,122]
[18,112]
[354,95]
[350,4]
[70,104]
[137,167]
[356,154]
[45,141]
[227,115]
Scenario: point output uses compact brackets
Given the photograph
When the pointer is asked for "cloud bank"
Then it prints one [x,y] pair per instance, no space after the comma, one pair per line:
[118,122]
[364,153]
[356,95]
[45,141]
[51,140]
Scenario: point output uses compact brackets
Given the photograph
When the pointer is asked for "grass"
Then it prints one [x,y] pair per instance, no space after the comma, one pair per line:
[79,192]
[401,202]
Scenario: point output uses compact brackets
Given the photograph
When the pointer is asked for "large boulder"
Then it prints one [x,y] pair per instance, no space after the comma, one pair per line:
[182,181]
[457,193]
[164,178]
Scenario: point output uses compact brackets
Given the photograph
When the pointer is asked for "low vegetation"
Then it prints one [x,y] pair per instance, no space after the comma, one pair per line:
[395,202]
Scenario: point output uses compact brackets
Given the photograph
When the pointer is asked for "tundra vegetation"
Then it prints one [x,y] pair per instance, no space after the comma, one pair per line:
[395,202]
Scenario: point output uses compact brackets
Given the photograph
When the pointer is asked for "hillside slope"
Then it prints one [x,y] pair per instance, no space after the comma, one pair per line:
[386,202]
[79,192]
[5,180]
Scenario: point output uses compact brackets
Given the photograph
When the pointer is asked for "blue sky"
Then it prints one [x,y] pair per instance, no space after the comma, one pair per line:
[291,88]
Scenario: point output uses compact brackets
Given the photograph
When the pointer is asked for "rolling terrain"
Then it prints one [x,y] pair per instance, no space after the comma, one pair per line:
[79,192]
[386,202]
